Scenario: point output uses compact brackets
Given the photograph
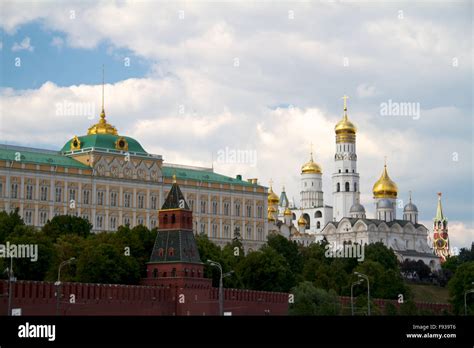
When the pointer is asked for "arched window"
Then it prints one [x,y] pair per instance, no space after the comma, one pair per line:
[318,224]
[155,273]
[355,187]
[293,216]
[347,187]
[161,252]
[171,252]
[307,218]
[347,170]
[173,219]
[165,219]
[318,214]
[338,187]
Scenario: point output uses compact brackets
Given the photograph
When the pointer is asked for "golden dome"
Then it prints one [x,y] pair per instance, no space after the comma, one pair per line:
[311,167]
[271,209]
[302,221]
[102,127]
[345,129]
[270,217]
[272,197]
[287,212]
[385,187]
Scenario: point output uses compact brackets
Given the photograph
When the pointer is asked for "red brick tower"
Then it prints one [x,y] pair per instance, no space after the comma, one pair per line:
[175,260]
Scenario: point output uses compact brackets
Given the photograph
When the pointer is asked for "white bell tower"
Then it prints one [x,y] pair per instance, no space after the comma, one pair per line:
[345,180]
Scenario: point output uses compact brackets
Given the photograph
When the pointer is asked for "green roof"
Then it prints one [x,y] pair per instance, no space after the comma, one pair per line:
[202,175]
[38,156]
[104,141]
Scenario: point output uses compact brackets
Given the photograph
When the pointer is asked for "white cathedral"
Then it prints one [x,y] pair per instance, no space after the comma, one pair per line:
[346,221]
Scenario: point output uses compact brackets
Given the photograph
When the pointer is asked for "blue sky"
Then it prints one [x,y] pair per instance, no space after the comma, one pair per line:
[265,77]
[62,64]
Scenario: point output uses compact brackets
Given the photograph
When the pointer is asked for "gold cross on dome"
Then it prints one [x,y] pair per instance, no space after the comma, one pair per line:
[345,97]
[271,182]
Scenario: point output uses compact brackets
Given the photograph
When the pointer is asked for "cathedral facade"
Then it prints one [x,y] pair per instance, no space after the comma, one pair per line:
[110,180]
[346,221]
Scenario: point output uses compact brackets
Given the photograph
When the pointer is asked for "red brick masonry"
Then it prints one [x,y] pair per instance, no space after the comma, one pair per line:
[39,298]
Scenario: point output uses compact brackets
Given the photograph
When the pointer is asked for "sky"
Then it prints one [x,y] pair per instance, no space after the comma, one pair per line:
[192,81]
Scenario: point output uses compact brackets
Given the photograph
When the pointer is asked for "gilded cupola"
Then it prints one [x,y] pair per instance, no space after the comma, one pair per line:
[385,187]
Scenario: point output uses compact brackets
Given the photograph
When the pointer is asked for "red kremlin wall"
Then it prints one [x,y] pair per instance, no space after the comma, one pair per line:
[39,298]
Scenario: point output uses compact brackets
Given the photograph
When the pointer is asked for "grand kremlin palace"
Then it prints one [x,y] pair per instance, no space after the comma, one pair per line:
[111,180]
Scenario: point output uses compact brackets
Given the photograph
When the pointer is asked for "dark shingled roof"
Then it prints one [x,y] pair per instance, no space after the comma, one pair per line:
[183,244]
[175,196]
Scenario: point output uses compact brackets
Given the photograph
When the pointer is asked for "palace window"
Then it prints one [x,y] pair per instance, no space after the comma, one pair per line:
[249,232]
[152,223]
[85,196]
[127,197]
[140,221]
[203,228]
[85,217]
[100,198]
[191,204]
[237,209]
[259,211]
[338,189]
[44,193]
[153,202]
[347,187]
[58,195]
[1,189]
[203,207]
[141,201]
[126,221]
[43,217]
[214,230]
[99,220]
[226,208]
[113,222]
[226,231]
[29,192]
[249,210]
[259,233]
[72,194]
[28,217]
[113,199]
[14,193]
[214,207]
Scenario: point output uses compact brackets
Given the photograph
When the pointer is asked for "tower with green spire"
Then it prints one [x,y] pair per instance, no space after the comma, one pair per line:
[440,232]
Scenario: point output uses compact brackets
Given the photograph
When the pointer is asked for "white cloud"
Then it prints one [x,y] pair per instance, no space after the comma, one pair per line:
[24,45]
[282,61]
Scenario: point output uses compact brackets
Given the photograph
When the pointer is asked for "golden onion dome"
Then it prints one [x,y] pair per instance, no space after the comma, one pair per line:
[345,126]
[345,129]
[287,212]
[384,187]
[271,209]
[311,167]
[272,197]
[302,221]
[270,217]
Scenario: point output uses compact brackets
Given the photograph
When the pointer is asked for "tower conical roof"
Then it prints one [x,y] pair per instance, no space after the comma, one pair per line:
[175,198]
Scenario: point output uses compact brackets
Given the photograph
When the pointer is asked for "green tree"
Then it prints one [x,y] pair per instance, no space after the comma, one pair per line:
[266,269]
[289,250]
[66,247]
[210,251]
[106,263]
[384,283]
[459,284]
[28,268]
[309,300]
[380,253]
[67,224]
[8,223]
